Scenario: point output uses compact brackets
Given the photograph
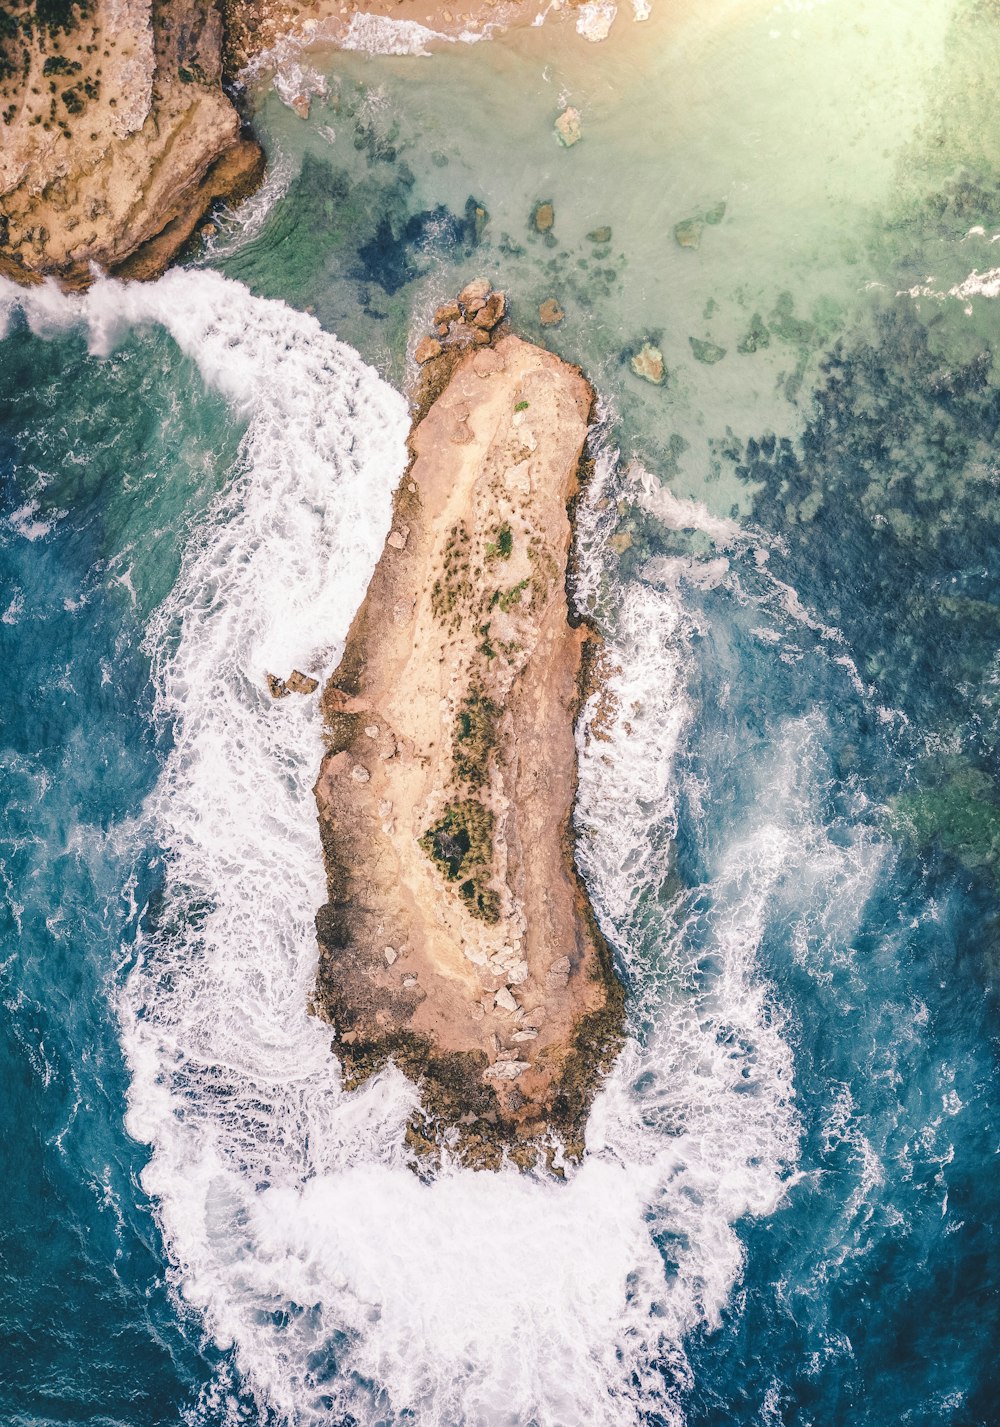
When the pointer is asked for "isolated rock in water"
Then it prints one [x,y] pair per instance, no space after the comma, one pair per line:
[648,364]
[114,160]
[299,683]
[277,687]
[543,215]
[426,350]
[463,660]
[599,235]
[568,128]
[550,313]
[688,233]
[706,352]
[594,19]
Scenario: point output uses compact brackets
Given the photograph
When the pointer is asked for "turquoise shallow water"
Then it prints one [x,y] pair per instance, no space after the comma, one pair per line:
[787,1213]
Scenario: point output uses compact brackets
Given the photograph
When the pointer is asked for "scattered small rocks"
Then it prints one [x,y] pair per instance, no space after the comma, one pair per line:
[360,774]
[468,321]
[569,130]
[296,683]
[409,981]
[528,1034]
[550,314]
[390,955]
[372,730]
[648,364]
[398,538]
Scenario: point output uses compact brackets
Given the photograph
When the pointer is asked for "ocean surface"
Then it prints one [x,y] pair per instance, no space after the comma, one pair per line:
[788,1209]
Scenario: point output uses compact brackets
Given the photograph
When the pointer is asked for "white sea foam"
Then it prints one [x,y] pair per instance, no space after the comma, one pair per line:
[676,513]
[340,1280]
[382,35]
[595,18]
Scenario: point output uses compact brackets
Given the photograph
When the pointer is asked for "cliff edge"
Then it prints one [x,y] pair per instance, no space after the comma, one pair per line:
[457,939]
[115,135]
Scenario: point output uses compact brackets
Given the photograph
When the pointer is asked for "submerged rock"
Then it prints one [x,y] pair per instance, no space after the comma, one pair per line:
[688,233]
[756,337]
[707,352]
[569,130]
[599,235]
[550,314]
[543,215]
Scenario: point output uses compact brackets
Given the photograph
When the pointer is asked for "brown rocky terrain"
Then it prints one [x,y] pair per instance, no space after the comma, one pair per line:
[457,939]
[115,134]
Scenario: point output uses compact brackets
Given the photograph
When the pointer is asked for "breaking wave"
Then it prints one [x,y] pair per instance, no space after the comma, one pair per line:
[337,1279]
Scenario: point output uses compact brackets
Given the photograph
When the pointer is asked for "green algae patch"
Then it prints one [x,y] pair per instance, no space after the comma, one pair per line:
[960,817]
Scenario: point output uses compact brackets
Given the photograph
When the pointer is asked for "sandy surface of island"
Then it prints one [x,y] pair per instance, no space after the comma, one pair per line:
[457,939]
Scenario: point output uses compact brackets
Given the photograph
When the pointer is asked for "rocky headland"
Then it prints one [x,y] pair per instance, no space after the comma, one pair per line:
[115,135]
[457,939]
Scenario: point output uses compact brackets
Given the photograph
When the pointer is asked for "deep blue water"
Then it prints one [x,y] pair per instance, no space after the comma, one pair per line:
[854,729]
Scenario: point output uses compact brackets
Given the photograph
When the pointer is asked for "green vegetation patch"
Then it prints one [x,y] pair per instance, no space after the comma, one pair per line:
[502,546]
[460,844]
[475,736]
[507,599]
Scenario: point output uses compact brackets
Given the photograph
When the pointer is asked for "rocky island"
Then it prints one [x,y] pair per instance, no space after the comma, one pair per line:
[457,939]
[115,135]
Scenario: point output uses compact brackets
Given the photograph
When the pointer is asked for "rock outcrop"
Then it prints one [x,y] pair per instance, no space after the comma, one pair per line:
[457,939]
[115,135]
